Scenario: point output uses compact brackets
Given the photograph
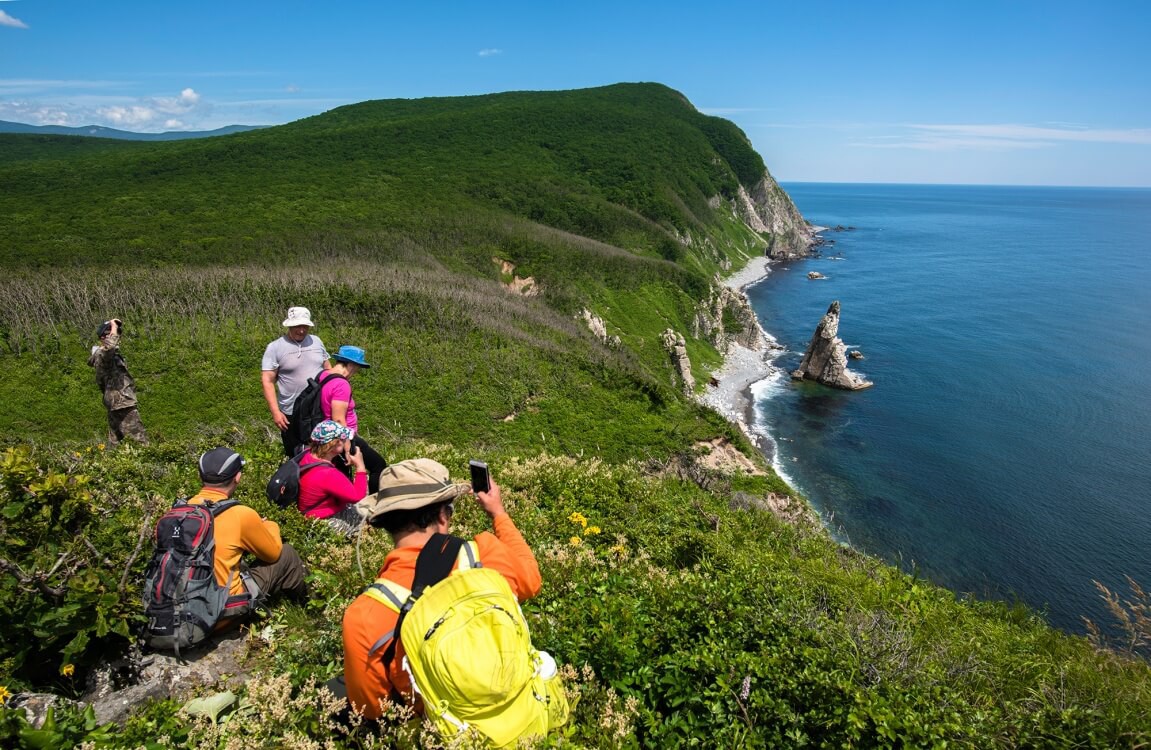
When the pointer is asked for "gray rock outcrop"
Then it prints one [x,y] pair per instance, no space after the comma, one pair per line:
[220,660]
[726,318]
[825,360]
[767,208]
[677,348]
[598,328]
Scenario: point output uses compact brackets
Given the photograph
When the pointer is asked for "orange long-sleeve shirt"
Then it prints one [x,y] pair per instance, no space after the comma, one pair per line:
[366,619]
[238,530]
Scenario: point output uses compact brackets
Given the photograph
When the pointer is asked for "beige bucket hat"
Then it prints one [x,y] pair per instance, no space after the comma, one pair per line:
[411,484]
[298,316]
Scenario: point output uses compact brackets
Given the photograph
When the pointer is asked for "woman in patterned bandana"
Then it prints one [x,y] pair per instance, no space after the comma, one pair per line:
[325,491]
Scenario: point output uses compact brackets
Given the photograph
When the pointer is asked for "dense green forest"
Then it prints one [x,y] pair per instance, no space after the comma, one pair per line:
[458,240]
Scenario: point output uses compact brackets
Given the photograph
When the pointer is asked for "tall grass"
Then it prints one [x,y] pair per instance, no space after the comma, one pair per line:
[456,356]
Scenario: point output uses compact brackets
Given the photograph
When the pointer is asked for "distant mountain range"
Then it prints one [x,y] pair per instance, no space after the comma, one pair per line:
[99,131]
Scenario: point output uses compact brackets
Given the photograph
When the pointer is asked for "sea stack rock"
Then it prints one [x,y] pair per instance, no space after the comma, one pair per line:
[826,358]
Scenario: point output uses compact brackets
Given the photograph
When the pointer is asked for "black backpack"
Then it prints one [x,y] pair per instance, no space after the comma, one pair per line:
[284,486]
[307,411]
[182,599]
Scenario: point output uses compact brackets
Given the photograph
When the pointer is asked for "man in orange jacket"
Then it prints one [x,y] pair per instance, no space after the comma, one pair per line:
[240,530]
[415,501]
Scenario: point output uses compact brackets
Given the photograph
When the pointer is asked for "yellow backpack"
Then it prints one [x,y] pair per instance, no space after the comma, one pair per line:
[468,649]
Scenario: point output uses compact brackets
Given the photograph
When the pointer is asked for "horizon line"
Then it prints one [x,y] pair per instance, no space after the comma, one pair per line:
[962,184]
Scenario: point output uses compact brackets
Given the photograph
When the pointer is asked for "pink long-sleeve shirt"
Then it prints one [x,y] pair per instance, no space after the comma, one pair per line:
[325,490]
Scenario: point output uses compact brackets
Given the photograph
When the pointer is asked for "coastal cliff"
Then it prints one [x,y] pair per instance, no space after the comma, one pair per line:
[767,208]
[726,318]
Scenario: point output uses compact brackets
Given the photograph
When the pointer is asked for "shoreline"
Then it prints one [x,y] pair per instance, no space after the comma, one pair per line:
[743,368]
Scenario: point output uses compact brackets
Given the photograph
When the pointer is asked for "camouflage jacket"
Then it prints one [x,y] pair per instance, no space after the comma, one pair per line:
[112,374]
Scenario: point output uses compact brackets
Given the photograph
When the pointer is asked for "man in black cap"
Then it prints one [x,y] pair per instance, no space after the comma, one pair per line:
[239,529]
[114,380]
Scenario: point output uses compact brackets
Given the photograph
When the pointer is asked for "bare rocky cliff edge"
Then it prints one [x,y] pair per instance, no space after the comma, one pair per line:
[767,208]
[726,318]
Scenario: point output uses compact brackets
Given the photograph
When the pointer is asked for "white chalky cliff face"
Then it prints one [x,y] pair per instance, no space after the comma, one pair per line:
[768,208]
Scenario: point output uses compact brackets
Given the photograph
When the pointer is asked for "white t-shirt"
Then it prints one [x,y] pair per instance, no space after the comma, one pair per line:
[294,364]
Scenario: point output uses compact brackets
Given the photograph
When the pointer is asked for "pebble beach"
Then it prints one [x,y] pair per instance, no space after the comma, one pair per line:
[742,367]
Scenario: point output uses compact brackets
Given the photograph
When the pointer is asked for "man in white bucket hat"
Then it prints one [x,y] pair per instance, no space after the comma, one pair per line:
[288,363]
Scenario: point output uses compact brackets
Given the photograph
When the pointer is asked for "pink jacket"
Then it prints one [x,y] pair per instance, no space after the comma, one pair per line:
[325,490]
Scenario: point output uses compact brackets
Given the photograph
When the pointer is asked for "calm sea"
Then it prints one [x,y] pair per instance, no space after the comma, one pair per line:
[1004,449]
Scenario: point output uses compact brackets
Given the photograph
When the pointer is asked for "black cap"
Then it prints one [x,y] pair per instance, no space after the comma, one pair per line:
[219,465]
[103,329]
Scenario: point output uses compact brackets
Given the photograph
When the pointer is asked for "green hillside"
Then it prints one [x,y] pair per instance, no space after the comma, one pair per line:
[458,240]
[627,164]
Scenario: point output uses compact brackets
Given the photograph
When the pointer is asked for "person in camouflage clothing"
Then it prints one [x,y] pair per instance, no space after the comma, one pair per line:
[119,389]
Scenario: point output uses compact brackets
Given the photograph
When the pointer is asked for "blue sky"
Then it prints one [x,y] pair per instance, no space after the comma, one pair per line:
[1010,92]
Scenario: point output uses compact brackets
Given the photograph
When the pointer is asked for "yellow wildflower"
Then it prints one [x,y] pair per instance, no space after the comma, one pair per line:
[576,541]
[4,694]
[580,518]
[593,530]
[68,670]
[100,447]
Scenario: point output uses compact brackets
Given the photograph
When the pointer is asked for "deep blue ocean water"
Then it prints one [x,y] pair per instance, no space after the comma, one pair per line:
[1005,449]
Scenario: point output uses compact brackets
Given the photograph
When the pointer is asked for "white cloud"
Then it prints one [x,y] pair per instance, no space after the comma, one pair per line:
[36,114]
[489,52]
[134,113]
[187,100]
[292,88]
[7,20]
[78,103]
[151,113]
[1004,137]
[128,117]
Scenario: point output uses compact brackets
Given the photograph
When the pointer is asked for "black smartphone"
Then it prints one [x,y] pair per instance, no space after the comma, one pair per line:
[481,480]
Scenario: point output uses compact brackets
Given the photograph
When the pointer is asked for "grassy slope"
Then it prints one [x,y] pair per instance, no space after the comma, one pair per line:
[384,219]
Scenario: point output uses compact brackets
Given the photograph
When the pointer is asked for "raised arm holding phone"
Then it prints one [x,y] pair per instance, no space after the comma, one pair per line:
[415,506]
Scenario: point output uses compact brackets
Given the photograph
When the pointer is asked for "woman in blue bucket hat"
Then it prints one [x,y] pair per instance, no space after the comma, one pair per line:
[337,404]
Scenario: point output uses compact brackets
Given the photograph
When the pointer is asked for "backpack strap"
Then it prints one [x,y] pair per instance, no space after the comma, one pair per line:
[433,565]
[302,427]
[315,464]
[217,507]
[393,596]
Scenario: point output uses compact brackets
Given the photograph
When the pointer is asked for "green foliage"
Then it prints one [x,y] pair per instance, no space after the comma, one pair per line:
[64,727]
[677,617]
[677,620]
[61,602]
[632,165]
